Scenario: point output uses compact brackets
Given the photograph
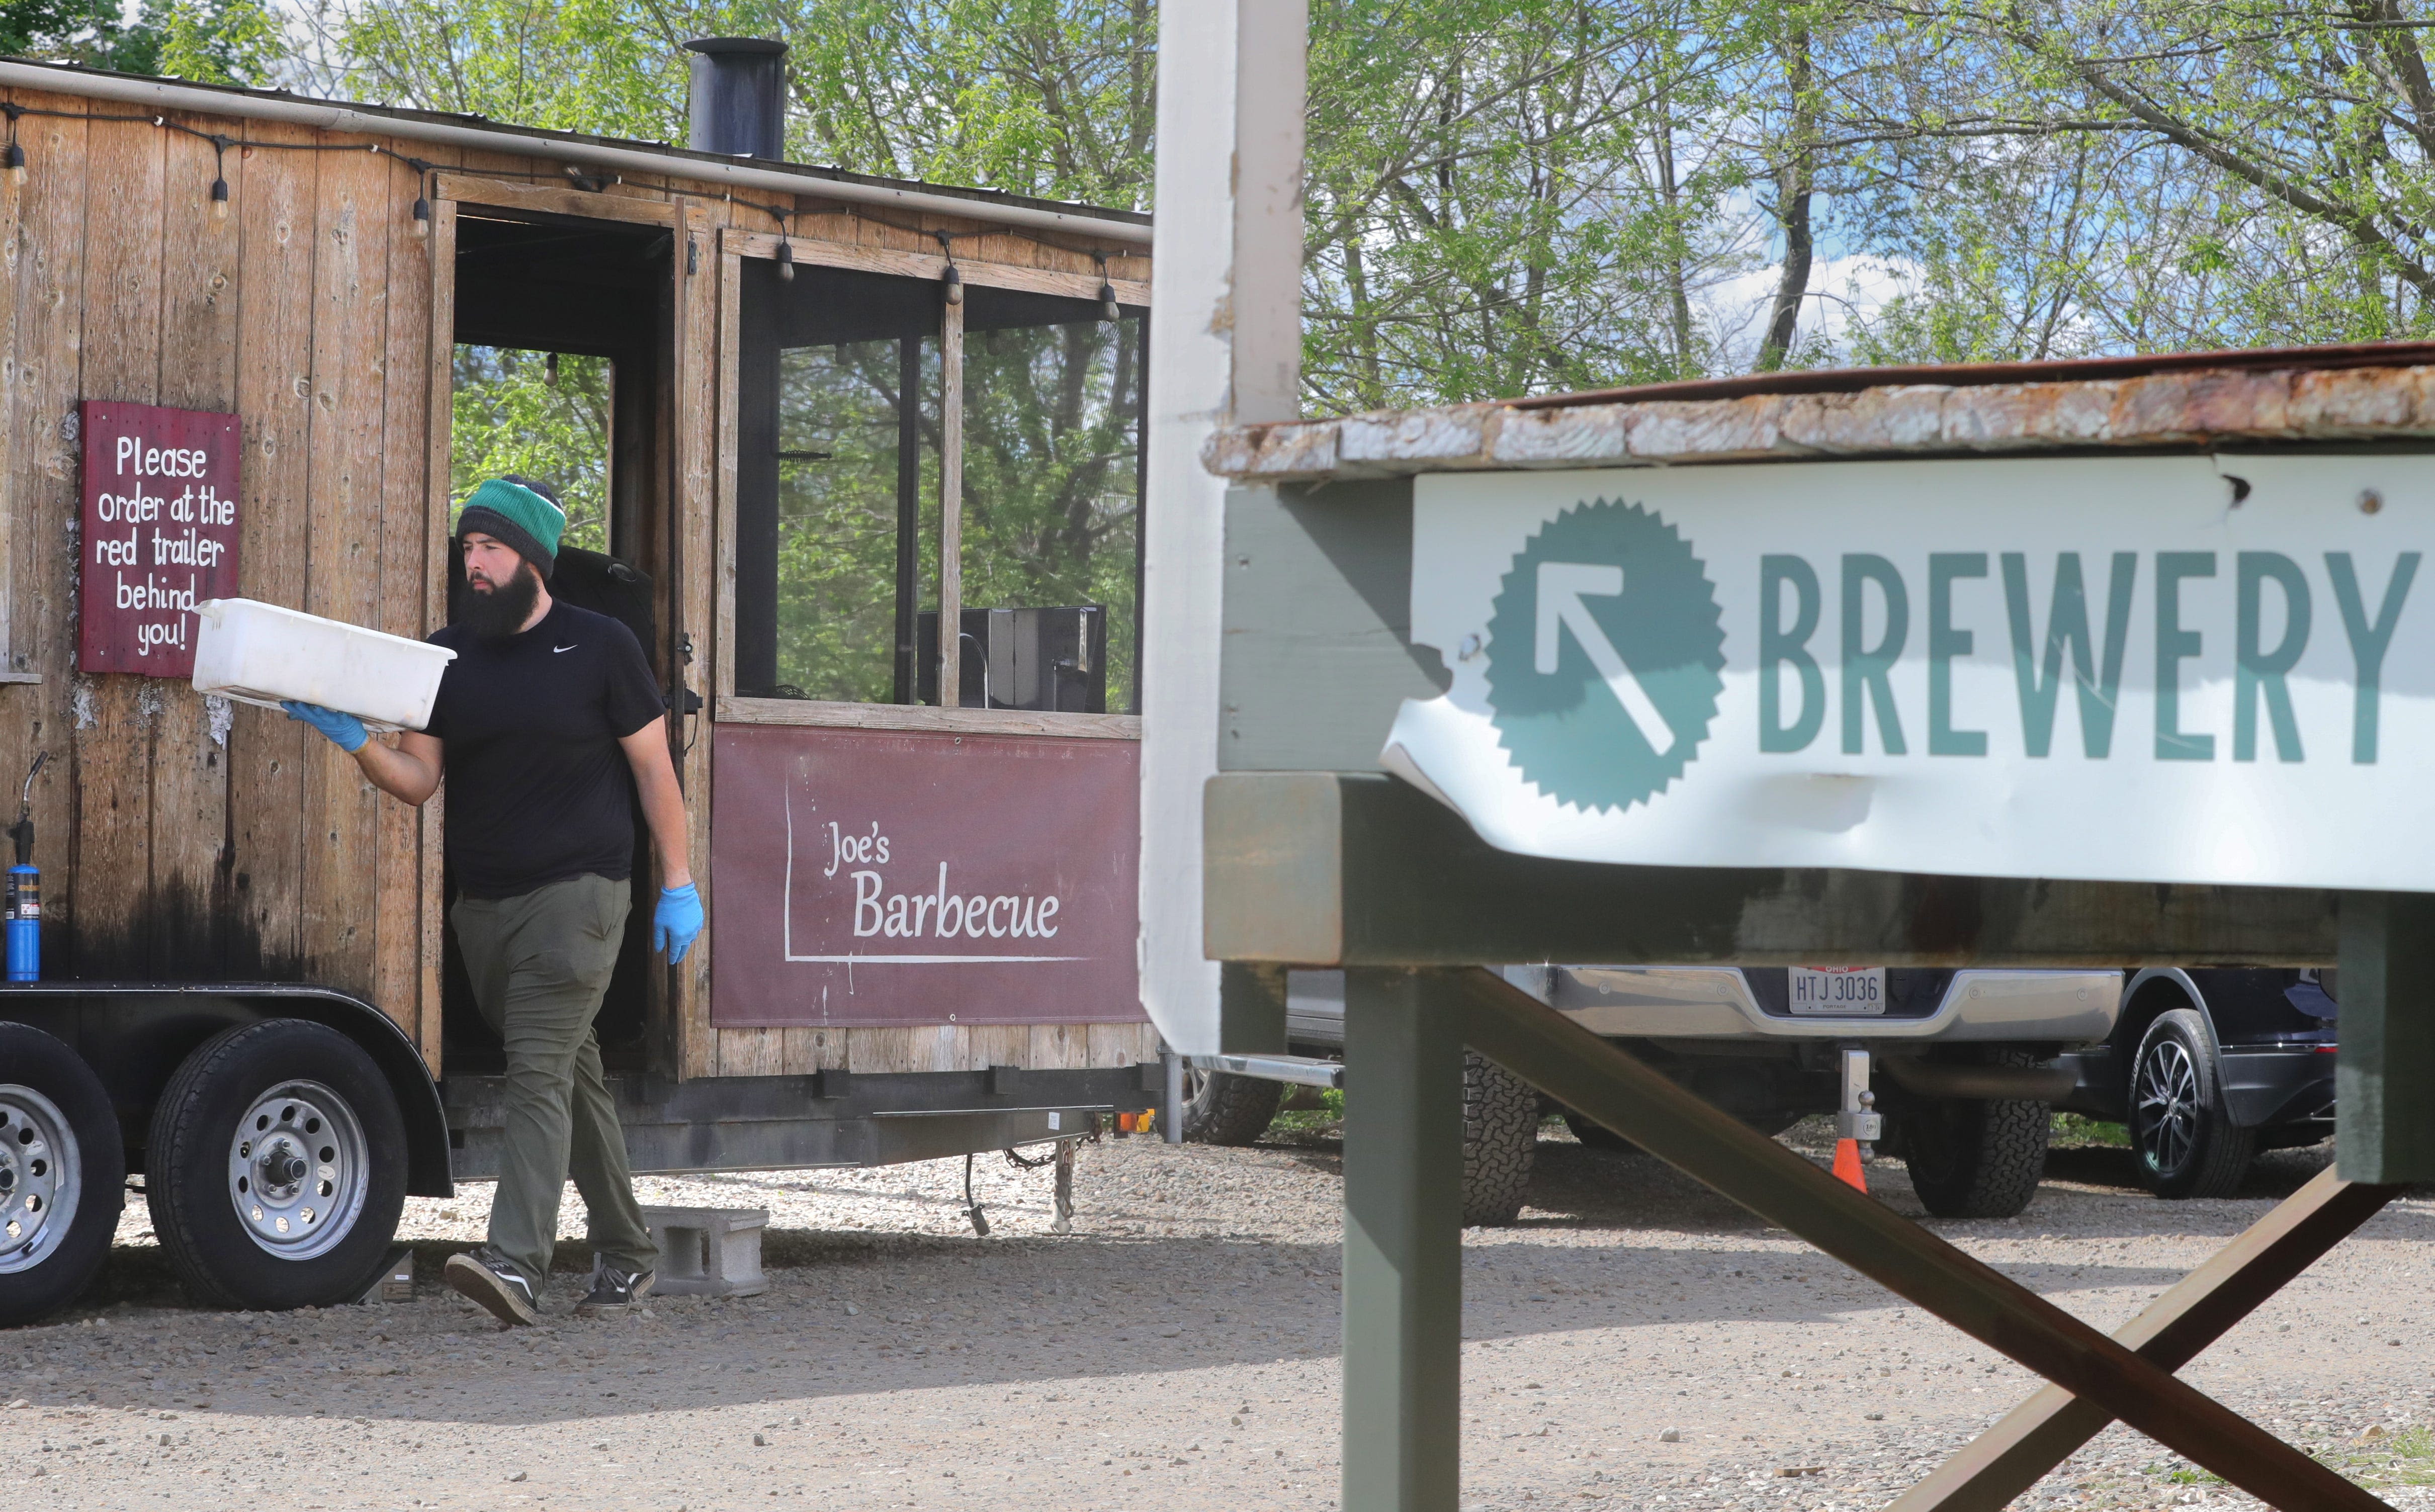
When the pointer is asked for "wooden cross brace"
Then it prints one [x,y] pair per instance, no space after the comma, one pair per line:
[2040,1433]
[2096,1378]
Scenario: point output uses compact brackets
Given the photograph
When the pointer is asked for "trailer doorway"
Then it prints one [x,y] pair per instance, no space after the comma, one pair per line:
[562,340]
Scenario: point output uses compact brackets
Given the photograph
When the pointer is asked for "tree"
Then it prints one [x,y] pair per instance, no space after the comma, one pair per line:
[1509,196]
[212,42]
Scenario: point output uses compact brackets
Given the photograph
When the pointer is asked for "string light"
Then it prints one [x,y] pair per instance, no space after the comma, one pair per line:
[951,283]
[421,221]
[549,369]
[219,179]
[14,159]
[1108,310]
[786,259]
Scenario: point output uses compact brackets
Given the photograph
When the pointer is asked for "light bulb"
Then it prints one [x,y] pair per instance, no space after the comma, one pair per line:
[952,283]
[1108,310]
[220,200]
[785,260]
[14,160]
[549,369]
[422,216]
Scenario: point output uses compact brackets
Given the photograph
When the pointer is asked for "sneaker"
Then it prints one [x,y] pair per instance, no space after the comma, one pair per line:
[614,1290]
[486,1276]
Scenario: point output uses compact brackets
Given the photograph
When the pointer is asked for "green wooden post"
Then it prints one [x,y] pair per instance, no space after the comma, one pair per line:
[2384,1080]
[1250,1008]
[1403,1242]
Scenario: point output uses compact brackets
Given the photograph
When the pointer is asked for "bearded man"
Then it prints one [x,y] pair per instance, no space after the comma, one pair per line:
[547,728]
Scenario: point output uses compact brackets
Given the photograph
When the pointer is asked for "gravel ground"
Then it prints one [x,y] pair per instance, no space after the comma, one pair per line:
[1179,1350]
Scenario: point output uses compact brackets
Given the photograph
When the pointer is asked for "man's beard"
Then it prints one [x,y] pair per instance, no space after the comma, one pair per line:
[502,611]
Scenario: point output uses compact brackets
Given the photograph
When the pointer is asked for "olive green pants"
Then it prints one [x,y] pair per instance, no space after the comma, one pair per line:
[540,964]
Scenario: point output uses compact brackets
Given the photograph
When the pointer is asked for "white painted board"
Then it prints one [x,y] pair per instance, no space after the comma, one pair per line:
[1863,664]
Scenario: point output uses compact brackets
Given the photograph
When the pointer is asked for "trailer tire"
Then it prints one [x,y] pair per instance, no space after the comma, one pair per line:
[1974,1159]
[1220,1108]
[1500,1139]
[62,1174]
[276,1167]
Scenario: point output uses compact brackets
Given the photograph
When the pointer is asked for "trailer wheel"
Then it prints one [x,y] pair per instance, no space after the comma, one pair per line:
[1973,1159]
[1222,1109]
[276,1167]
[62,1174]
[1500,1135]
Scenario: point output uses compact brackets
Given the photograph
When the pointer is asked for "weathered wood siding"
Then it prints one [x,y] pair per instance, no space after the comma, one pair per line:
[181,840]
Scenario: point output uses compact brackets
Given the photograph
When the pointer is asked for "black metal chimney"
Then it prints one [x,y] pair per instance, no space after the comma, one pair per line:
[739,97]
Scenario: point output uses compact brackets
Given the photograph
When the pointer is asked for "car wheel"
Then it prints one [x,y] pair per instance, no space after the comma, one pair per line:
[62,1174]
[276,1168]
[1971,1158]
[1500,1137]
[2181,1129]
[1220,1108]
[1597,1136]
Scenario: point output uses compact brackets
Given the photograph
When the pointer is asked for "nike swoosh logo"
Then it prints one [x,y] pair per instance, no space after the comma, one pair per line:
[555,649]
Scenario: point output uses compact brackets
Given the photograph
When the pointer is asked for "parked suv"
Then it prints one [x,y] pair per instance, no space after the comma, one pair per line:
[2207,1067]
[1968,1060]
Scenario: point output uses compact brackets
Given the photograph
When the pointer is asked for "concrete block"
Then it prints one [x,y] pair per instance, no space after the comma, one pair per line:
[708,1251]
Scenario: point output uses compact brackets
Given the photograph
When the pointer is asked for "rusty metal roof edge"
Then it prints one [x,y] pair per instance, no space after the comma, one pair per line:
[1975,374]
[2362,392]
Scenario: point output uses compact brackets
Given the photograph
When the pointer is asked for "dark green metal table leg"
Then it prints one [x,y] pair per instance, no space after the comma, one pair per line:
[2384,1117]
[1403,1242]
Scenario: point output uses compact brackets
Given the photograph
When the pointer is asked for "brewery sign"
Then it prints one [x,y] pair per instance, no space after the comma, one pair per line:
[159,533]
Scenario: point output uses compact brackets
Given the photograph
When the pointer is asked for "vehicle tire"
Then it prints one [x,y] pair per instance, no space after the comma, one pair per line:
[1500,1135]
[62,1174]
[2181,1129]
[1972,1158]
[1597,1136]
[1222,1109]
[276,1168]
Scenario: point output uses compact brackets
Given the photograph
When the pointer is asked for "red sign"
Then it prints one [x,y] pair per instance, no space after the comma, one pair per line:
[862,877]
[159,533]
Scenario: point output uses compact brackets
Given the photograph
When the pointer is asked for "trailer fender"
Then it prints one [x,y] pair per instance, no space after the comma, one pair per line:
[135,1035]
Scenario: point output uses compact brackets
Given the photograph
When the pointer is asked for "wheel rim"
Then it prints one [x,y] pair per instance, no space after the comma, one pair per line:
[40,1177]
[298,1169]
[2167,1105]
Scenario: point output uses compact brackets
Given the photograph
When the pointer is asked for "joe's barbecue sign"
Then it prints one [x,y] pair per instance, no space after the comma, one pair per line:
[870,878]
[159,533]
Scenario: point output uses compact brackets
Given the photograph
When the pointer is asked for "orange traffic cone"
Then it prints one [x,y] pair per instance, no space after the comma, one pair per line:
[1847,1165]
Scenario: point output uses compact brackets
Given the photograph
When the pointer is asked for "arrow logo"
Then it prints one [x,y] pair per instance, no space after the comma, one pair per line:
[1563,585]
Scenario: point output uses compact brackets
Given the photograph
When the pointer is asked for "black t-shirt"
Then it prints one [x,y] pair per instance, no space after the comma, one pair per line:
[538,788]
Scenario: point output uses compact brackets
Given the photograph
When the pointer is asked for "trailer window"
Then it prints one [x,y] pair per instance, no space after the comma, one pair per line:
[836,479]
[1051,502]
[839,469]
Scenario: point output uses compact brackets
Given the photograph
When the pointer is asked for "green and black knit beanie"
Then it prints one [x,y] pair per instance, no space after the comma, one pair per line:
[518,515]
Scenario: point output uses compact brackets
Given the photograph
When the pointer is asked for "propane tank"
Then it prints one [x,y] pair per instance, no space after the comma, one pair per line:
[24,908]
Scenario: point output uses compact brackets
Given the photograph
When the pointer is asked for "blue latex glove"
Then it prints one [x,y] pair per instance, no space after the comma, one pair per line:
[676,921]
[346,731]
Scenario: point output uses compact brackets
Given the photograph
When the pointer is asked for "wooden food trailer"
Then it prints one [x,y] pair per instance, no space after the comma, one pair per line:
[845,412]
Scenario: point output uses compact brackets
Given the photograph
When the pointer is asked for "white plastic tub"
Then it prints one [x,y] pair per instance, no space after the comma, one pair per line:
[259,654]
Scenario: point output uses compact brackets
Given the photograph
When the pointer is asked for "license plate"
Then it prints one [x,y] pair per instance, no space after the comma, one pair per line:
[1837,989]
